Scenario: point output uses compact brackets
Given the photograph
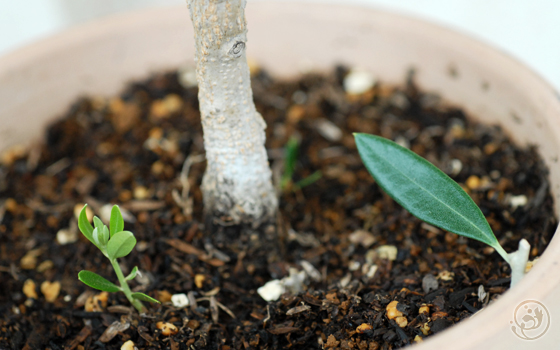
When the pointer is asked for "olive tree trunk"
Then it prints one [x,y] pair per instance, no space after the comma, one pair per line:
[237,185]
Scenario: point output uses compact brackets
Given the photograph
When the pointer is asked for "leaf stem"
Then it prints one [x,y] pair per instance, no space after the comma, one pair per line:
[502,252]
[125,288]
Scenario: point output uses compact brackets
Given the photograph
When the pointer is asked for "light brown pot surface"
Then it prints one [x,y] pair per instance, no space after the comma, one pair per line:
[100,57]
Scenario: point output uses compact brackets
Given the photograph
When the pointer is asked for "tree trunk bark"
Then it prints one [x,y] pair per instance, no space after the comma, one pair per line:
[237,185]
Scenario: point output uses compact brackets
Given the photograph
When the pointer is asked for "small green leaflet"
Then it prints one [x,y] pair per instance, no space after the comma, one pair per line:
[97,223]
[85,227]
[291,154]
[424,190]
[132,274]
[290,160]
[100,236]
[95,281]
[105,235]
[121,244]
[114,243]
[95,236]
[309,180]
[116,223]
[144,297]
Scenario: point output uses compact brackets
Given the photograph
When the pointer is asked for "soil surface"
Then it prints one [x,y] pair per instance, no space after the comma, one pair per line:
[375,277]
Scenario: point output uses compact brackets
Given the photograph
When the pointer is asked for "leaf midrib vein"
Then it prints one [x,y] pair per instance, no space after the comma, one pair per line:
[436,198]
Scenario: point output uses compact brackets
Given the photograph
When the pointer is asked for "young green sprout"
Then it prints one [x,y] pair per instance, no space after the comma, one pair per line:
[432,196]
[290,160]
[114,243]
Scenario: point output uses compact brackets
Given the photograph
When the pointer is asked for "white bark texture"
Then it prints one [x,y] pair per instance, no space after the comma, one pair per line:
[237,185]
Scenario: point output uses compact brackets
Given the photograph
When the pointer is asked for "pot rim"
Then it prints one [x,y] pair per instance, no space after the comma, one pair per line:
[477,335]
[90,28]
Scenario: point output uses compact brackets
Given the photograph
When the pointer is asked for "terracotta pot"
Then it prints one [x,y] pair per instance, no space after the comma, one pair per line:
[39,82]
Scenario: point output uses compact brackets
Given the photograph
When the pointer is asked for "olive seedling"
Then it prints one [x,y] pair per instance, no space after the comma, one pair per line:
[114,243]
[290,160]
[432,196]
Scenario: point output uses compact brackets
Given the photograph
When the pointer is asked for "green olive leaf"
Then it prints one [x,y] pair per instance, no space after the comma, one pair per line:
[116,223]
[144,297]
[132,274]
[121,244]
[424,190]
[95,281]
[85,227]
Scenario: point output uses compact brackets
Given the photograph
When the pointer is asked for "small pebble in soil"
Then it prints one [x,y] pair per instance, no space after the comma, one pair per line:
[30,289]
[199,280]
[481,294]
[388,252]
[369,270]
[364,328]
[167,328]
[97,302]
[362,237]
[354,265]
[29,260]
[358,81]
[455,167]
[429,283]
[180,300]
[518,201]
[45,266]
[446,275]
[66,236]
[50,290]
[473,182]
[329,130]
[272,290]
[141,192]
[424,310]
[401,321]
[128,345]
[294,283]
[392,311]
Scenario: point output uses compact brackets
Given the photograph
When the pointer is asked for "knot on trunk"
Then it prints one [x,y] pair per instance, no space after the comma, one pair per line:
[234,48]
[237,49]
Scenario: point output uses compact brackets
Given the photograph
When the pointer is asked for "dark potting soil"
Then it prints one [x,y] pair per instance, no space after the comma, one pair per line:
[362,251]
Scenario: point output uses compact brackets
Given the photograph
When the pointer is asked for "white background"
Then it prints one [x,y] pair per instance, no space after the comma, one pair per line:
[527,29]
